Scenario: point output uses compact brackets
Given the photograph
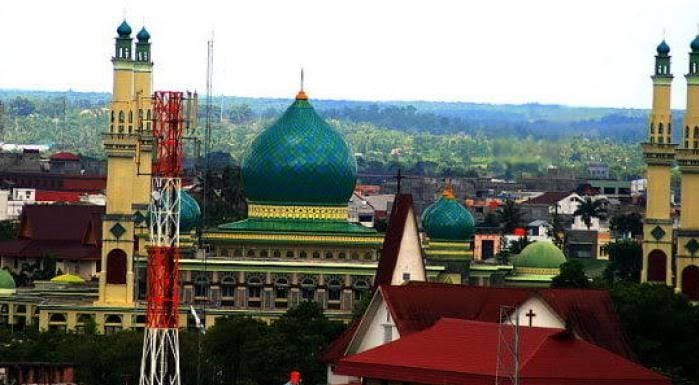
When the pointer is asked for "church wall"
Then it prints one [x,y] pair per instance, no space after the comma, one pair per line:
[377,329]
[409,264]
[544,315]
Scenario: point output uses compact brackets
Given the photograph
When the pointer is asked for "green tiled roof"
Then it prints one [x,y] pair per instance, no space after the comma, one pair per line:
[190,214]
[7,283]
[448,219]
[124,29]
[299,160]
[297,226]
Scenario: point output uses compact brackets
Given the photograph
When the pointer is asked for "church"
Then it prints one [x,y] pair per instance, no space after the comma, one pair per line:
[669,246]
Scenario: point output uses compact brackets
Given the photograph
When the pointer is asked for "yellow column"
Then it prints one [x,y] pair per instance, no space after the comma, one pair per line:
[659,154]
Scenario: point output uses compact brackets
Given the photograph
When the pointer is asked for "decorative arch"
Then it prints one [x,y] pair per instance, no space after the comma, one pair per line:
[57,317]
[657,266]
[690,282]
[113,319]
[116,267]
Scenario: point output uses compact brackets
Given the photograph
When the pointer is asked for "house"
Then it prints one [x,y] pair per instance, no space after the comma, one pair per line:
[549,203]
[399,311]
[72,234]
[458,351]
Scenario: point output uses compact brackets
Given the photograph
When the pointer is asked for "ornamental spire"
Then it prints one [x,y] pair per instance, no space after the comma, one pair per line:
[301,95]
[448,191]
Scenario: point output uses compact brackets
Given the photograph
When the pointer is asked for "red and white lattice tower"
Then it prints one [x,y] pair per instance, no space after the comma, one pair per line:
[160,364]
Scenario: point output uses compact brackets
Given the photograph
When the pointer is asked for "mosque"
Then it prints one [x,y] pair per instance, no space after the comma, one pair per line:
[670,246]
[295,245]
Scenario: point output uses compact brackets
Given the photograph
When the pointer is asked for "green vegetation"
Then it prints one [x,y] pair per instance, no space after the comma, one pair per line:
[572,276]
[424,138]
[236,350]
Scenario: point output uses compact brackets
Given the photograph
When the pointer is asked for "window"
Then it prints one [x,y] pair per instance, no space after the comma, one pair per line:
[361,289]
[228,286]
[116,267]
[264,253]
[112,324]
[251,253]
[290,254]
[696,132]
[328,255]
[652,131]
[254,291]
[201,286]
[660,128]
[406,277]
[121,117]
[334,290]
[308,289]
[316,254]
[281,292]
[342,256]
[303,254]
[387,333]
[276,254]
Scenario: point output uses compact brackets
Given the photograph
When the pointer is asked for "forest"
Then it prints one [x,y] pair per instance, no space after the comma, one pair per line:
[423,138]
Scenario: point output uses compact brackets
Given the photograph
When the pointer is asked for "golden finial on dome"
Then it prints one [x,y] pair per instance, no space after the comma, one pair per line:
[448,191]
[301,95]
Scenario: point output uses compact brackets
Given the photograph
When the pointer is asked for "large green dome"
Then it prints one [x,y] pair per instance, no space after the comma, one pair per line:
[541,255]
[299,160]
[190,213]
[7,283]
[448,219]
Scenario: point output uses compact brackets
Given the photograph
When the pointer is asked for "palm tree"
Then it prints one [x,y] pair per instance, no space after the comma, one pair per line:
[510,216]
[590,208]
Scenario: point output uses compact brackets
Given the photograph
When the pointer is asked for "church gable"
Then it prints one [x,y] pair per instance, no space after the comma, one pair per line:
[537,313]
[376,328]
[409,264]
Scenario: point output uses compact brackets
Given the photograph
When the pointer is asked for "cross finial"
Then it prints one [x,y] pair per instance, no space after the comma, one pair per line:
[301,78]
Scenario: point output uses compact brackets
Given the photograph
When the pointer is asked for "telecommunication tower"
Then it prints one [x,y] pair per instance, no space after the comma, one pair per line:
[507,364]
[160,363]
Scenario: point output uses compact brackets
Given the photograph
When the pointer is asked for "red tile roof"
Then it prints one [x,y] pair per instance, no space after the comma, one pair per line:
[65,156]
[456,351]
[63,231]
[419,305]
[57,196]
[547,198]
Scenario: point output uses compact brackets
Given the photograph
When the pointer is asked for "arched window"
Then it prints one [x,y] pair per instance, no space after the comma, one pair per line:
[201,286]
[308,289]
[696,132]
[276,254]
[113,319]
[281,288]
[660,128]
[334,290]
[121,117]
[361,289]
[112,118]
[228,286]
[669,129]
[130,116]
[290,254]
[303,254]
[660,139]
[652,130]
[316,254]
[264,253]
[690,282]
[251,253]
[254,288]
[342,255]
[686,132]
[656,266]
[116,267]
[328,255]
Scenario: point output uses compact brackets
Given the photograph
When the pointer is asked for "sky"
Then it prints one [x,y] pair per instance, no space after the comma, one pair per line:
[573,52]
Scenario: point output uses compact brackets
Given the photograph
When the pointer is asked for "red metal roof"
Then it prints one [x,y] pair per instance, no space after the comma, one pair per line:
[419,305]
[456,351]
[57,196]
[65,156]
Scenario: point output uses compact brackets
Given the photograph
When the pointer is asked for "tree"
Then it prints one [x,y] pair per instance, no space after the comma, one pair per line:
[8,230]
[590,208]
[510,216]
[572,276]
[662,326]
[515,247]
[627,225]
[625,260]
[240,113]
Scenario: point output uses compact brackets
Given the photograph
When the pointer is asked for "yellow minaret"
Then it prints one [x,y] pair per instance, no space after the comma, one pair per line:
[687,262]
[658,152]
[128,149]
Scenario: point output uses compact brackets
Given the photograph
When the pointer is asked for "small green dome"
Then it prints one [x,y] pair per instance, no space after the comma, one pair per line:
[448,219]
[663,49]
[299,160]
[695,44]
[7,283]
[540,255]
[143,35]
[190,213]
[124,29]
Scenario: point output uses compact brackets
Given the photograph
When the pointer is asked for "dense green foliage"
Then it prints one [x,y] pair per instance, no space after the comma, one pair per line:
[572,276]
[422,137]
[590,208]
[236,350]
[624,261]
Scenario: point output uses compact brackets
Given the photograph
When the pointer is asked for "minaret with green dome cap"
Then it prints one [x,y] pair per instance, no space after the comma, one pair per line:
[449,228]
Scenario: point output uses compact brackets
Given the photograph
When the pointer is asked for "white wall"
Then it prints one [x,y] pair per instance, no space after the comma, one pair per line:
[410,254]
[4,198]
[544,315]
